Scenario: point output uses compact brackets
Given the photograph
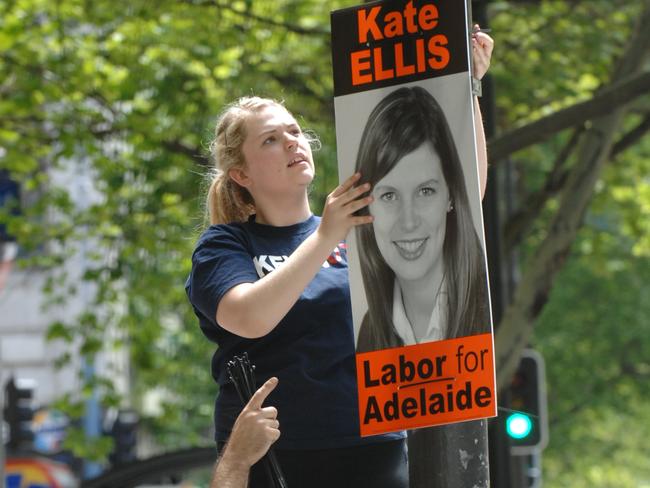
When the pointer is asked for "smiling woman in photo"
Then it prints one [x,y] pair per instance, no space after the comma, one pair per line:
[421,260]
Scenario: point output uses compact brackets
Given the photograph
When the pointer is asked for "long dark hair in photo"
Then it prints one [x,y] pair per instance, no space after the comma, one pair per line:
[400,123]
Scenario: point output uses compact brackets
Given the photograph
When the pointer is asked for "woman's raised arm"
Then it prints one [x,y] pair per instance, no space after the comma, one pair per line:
[253,310]
[482,46]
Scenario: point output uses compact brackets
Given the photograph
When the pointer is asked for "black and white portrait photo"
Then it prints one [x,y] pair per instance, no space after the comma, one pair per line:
[418,271]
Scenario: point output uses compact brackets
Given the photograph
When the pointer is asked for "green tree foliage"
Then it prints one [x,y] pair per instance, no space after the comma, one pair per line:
[593,334]
[127,93]
[592,330]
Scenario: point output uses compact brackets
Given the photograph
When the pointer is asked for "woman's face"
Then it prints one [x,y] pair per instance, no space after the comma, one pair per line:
[277,153]
[410,210]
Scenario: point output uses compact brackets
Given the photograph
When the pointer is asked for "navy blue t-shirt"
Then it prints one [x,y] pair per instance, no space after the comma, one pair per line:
[311,350]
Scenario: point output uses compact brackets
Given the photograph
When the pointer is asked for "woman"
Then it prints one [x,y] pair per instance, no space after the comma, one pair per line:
[422,264]
[270,279]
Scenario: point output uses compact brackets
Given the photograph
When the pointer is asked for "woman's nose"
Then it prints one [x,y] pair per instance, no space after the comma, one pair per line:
[409,216]
[291,141]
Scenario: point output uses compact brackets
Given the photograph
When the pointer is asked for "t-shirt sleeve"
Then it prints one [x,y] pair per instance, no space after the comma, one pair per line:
[219,262]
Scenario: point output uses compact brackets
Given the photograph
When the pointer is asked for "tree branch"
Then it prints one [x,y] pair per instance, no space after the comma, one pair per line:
[194,153]
[264,20]
[602,103]
[520,222]
[532,293]
[629,139]
[289,80]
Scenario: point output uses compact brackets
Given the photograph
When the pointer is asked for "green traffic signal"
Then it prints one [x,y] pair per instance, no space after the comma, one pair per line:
[525,424]
[519,425]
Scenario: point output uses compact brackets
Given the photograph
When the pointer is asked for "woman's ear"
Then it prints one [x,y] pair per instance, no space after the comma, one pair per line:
[450,206]
[239,176]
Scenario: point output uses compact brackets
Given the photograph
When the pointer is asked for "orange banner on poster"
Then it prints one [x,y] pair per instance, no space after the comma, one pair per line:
[426,384]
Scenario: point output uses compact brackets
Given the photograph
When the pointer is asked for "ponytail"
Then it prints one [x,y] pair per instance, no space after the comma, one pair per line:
[227,201]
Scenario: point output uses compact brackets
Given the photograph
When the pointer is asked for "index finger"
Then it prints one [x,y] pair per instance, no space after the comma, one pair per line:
[260,395]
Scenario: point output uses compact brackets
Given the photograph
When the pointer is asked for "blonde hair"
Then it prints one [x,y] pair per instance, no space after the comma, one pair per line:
[227,201]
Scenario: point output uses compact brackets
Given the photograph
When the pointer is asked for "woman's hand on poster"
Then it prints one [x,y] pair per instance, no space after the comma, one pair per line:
[482,46]
[340,206]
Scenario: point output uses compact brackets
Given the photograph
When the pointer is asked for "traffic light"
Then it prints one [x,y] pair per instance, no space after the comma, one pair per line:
[124,432]
[19,413]
[526,425]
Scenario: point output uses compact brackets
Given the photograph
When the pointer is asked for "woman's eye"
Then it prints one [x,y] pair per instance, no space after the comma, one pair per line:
[295,132]
[269,140]
[389,196]
[427,191]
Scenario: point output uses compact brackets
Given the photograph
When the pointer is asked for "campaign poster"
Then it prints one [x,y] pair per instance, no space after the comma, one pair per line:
[418,273]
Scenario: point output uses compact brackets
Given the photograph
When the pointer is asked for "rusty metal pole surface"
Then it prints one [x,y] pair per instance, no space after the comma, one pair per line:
[449,456]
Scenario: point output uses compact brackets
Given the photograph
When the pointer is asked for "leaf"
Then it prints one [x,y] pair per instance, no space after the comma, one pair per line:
[59,330]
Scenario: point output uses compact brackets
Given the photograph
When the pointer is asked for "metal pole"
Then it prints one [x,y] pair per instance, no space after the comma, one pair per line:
[92,418]
[500,270]
[452,456]
[534,471]
[91,421]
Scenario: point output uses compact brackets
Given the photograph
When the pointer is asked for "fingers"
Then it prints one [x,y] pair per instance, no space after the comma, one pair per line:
[340,207]
[346,191]
[347,197]
[353,194]
[260,395]
[481,58]
[351,202]
[269,412]
[346,185]
[274,435]
[482,46]
[271,429]
[362,220]
[483,40]
[358,204]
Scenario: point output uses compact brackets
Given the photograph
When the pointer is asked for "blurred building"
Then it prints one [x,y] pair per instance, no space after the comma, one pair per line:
[26,315]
